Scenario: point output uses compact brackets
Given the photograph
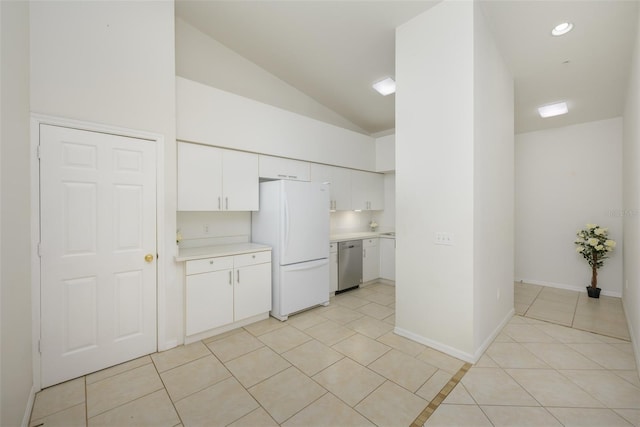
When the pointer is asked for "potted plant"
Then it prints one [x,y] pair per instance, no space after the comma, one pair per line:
[594,246]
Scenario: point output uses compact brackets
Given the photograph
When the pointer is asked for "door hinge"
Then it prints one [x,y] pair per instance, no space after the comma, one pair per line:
[38,152]
[39,249]
[39,348]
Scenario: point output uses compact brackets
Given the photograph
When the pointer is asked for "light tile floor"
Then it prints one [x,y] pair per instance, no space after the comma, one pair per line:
[342,365]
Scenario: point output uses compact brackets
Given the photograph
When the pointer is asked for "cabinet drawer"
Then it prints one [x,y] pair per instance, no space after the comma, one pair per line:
[209,264]
[367,243]
[252,258]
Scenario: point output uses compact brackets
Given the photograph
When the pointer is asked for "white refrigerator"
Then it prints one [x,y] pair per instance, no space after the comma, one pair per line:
[294,220]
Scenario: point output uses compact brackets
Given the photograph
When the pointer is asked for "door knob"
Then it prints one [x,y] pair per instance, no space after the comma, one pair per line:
[148,257]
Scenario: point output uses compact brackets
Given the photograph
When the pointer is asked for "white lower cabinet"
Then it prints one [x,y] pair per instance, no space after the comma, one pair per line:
[223,290]
[370,259]
[333,268]
[388,259]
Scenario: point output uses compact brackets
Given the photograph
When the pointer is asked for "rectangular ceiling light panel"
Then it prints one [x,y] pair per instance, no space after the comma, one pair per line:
[553,110]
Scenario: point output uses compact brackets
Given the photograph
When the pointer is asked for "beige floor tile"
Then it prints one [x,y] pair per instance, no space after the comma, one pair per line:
[486,362]
[349,381]
[122,388]
[518,320]
[373,328]
[222,335]
[312,357]
[492,386]
[152,410]
[179,356]
[580,417]
[459,396]
[256,418]
[526,333]
[521,416]
[256,366]
[625,347]
[350,301]
[617,329]
[75,416]
[286,393]
[59,397]
[514,355]
[363,350]
[381,298]
[234,345]
[551,388]
[194,376]
[305,320]
[390,320]
[520,308]
[606,355]
[403,370]
[561,356]
[220,404]
[502,337]
[284,339]
[631,376]
[607,387]
[264,326]
[118,369]
[341,314]
[458,415]
[391,405]
[328,411]
[441,360]
[376,311]
[329,332]
[403,344]
[432,387]
[560,305]
[556,316]
[631,415]
[567,335]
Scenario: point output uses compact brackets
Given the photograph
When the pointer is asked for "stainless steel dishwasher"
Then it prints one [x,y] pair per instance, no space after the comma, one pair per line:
[349,264]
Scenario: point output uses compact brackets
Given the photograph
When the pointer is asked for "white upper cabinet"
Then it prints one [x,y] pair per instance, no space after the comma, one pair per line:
[367,191]
[213,179]
[281,168]
[340,184]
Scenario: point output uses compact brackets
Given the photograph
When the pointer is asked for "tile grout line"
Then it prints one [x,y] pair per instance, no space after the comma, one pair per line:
[444,392]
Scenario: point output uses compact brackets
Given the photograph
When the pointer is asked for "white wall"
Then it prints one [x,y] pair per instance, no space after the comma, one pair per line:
[493,178]
[631,186]
[565,178]
[113,63]
[386,153]
[16,379]
[203,59]
[445,182]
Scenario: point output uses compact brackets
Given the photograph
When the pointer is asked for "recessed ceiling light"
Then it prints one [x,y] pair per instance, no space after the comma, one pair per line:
[385,87]
[553,110]
[562,29]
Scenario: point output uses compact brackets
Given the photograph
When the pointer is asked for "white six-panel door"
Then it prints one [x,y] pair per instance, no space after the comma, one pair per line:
[98,223]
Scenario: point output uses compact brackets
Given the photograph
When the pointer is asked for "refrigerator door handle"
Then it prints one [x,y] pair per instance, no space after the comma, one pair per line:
[307,265]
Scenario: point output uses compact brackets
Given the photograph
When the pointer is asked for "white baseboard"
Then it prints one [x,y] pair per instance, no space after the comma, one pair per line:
[565,286]
[462,355]
[27,412]
[635,342]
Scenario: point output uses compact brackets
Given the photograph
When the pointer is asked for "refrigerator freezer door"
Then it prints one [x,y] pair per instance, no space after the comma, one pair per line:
[305,222]
[302,286]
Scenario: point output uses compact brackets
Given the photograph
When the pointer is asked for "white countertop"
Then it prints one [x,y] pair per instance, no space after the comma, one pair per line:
[187,254]
[358,236]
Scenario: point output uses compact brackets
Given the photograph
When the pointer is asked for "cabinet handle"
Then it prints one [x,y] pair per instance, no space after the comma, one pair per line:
[211,262]
[226,203]
[238,277]
[219,203]
[230,280]
[282,176]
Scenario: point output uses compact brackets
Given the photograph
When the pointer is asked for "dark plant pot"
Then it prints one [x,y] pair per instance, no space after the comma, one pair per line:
[593,292]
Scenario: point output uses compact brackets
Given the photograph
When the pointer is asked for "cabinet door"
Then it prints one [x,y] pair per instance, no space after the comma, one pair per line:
[252,291]
[376,192]
[323,174]
[367,190]
[199,177]
[388,259]
[281,168]
[209,301]
[341,189]
[370,260]
[333,272]
[240,183]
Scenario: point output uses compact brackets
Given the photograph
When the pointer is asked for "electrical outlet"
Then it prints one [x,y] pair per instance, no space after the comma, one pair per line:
[205,228]
[443,238]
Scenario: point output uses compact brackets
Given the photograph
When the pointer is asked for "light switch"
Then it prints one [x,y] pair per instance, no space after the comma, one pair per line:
[443,238]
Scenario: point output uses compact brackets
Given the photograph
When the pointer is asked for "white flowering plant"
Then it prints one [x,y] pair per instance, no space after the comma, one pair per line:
[594,245]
